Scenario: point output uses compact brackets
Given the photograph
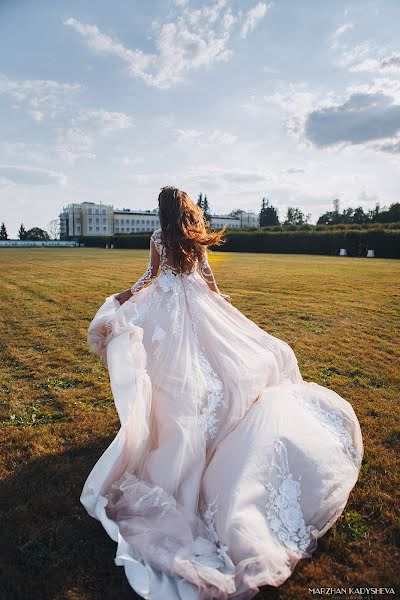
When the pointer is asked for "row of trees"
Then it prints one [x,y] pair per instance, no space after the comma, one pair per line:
[268,217]
[294,216]
[33,234]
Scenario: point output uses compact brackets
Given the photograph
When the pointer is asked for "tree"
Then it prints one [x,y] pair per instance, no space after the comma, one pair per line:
[3,232]
[200,201]
[374,213]
[295,216]
[347,216]
[331,217]
[37,234]
[54,229]
[384,215]
[392,215]
[206,210]
[359,216]
[22,232]
[336,206]
[268,214]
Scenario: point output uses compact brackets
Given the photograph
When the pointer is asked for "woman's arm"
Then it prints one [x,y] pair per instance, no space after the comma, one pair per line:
[208,276]
[151,271]
[148,275]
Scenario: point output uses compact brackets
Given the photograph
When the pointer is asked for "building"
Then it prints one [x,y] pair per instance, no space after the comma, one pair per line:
[132,221]
[86,219]
[218,221]
[90,219]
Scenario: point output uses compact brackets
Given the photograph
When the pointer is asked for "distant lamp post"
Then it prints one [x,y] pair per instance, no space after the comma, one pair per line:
[343,252]
[370,254]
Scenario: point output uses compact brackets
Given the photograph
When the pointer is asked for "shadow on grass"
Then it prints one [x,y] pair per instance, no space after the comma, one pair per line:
[51,548]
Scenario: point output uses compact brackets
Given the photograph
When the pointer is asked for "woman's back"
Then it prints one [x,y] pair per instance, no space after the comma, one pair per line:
[169,260]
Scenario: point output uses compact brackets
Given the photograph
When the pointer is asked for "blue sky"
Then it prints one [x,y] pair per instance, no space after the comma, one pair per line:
[297,101]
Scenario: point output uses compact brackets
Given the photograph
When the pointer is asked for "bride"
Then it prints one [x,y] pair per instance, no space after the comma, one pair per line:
[228,466]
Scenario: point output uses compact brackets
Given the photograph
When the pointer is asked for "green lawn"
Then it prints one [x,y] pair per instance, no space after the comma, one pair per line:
[340,315]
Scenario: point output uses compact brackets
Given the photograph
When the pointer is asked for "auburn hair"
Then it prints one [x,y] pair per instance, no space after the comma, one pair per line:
[184,229]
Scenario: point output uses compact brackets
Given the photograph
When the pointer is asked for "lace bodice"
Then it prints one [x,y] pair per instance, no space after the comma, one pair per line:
[158,262]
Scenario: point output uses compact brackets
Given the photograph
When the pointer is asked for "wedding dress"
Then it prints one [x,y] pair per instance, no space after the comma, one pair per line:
[228,466]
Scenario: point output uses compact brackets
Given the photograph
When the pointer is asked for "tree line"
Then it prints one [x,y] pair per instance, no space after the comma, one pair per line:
[356,216]
[268,216]
[35,234]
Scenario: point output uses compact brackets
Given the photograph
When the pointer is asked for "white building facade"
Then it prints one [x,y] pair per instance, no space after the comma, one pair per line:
[90,219]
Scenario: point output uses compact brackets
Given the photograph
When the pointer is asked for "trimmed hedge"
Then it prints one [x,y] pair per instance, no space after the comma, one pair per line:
[385,243]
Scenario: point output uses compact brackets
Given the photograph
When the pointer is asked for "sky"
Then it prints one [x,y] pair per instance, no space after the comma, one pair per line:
[294,101]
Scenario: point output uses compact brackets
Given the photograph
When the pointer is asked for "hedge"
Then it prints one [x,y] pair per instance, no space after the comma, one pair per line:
[385,243]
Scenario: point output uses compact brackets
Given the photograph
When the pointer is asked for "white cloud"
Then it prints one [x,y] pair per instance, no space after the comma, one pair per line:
[364,56]
[389,64]
[36,115]
[253,16]
[28,175]
[73,144]
[195,38]
[339,32]
[39,95]
[103,121]
[295,99]
[204,138]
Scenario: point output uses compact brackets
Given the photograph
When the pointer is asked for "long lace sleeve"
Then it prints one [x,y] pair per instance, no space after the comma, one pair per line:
[206,272]
[152,267]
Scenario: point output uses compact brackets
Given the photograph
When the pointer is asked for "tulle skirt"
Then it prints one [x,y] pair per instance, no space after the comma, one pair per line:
[228,466]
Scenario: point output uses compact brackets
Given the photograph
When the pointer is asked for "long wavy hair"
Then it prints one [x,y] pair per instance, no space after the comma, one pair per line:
[184,229]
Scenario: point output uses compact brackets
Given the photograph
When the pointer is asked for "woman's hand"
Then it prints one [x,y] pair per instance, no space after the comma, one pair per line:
[123,296]
[227,298]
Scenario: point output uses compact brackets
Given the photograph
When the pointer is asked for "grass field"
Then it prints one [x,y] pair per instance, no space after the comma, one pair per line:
[340,315]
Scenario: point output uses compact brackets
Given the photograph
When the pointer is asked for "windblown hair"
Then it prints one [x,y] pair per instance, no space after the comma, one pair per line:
[184,229]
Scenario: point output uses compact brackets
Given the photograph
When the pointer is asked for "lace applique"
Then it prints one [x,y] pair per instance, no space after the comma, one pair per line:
[156,237]
[283,508]
[208,419]
[152,267]
[158,335]
[206,271]
[208,518]
[331,421]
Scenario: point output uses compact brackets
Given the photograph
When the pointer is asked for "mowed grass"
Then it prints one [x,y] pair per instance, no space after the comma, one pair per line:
[340,315]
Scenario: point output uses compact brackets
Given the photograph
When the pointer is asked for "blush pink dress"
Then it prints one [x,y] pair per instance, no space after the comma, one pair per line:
[228,466]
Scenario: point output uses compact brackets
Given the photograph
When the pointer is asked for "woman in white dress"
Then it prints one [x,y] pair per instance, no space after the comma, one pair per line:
[228,466]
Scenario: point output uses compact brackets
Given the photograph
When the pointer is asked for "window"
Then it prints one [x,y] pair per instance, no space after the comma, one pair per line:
[90,228]
[122,228]
[104,228]
[104,211]
[104,221]
[97,228]
[89,211]
[90,220]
